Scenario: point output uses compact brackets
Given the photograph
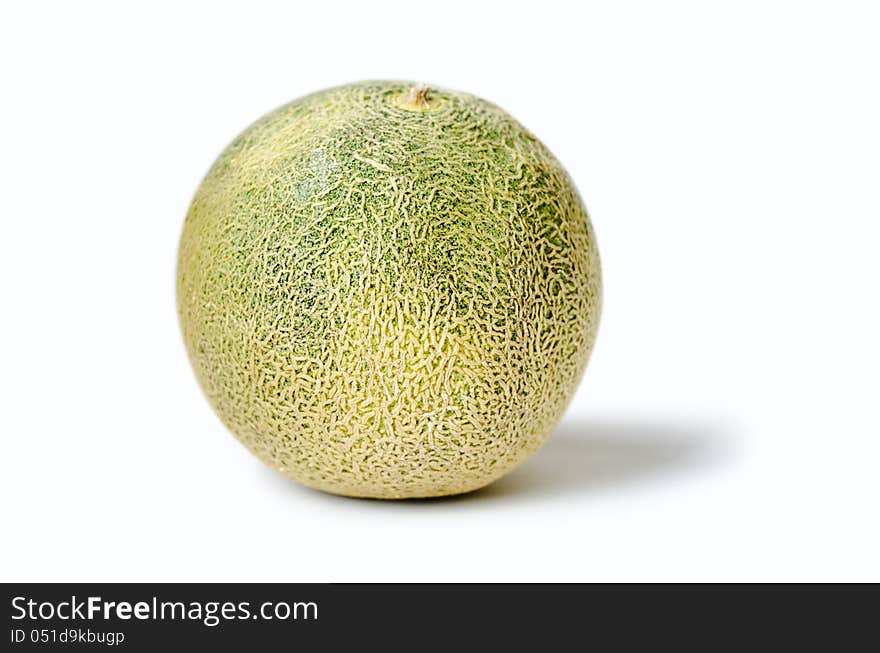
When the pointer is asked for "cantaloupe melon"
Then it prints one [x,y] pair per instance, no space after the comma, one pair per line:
[388,290]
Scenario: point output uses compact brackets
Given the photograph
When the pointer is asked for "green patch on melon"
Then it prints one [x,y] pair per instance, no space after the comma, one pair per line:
[389,290]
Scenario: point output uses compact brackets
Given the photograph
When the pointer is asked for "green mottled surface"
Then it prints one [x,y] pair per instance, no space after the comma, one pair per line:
[388,293]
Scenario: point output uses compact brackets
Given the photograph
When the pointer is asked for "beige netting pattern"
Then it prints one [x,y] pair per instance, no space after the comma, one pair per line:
[386,298]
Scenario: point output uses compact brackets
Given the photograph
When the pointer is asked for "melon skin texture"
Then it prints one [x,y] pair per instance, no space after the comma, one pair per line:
[388,290]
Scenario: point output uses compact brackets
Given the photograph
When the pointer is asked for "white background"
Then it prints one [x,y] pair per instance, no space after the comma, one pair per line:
[727,427]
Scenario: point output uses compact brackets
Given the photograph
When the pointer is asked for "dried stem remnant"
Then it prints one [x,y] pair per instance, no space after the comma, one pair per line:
[418,97]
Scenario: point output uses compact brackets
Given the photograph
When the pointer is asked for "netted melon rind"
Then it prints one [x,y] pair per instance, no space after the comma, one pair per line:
[386,302]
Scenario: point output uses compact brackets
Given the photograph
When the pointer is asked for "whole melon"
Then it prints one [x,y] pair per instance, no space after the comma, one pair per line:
[388,290]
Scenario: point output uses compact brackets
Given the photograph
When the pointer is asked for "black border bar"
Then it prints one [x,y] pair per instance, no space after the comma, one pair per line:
[413,617]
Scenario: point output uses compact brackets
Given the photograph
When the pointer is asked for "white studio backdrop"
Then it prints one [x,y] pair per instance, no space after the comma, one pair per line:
[727,427]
